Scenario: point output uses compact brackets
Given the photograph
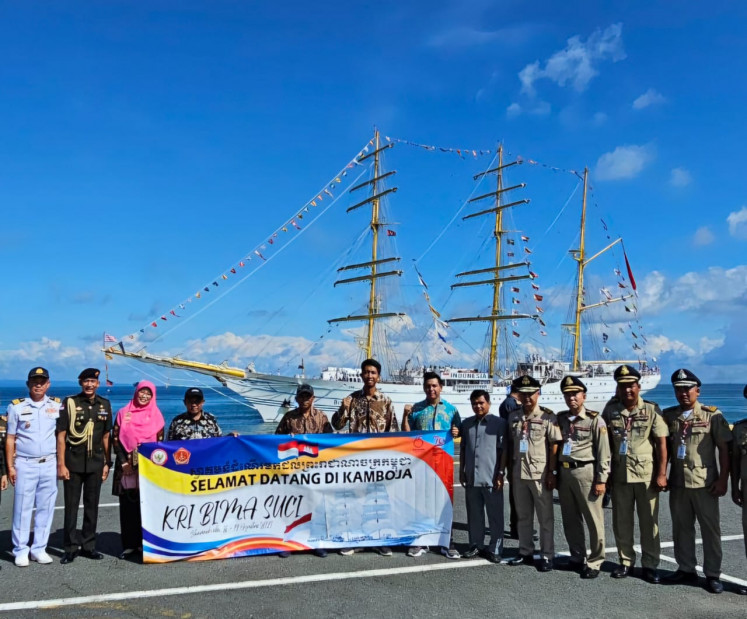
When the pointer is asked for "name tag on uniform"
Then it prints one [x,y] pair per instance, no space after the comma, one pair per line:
[681,451]
[523,446]
[567,447]
[624,447]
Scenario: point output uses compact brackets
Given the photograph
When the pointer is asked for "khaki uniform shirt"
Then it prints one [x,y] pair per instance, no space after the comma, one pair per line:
[540,429]
[587,433]
[640,426]
[740,448]
[366,415]
[295,422]
[700,433]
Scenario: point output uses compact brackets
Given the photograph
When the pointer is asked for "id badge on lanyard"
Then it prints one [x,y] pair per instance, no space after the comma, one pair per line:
[624,444]
[568,444]
[524,442]
[682,447]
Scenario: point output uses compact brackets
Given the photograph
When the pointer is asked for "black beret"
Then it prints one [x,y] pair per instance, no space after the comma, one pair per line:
[89,373]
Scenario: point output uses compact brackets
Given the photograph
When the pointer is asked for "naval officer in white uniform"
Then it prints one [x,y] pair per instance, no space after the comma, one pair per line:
[31,449]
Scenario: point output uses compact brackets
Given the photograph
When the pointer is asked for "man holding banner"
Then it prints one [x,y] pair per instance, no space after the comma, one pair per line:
[433,413]
[304,420]
[367,411]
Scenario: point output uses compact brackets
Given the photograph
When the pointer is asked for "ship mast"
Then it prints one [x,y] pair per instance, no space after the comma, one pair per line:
[374,274]
[579,255]
[497,313]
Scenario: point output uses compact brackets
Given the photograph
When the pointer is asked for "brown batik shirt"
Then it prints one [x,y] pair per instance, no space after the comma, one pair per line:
[295,422]
[366,415]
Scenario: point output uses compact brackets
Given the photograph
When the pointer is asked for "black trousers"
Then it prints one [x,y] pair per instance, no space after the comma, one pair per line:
[90,485]
[130,521]
[513,516]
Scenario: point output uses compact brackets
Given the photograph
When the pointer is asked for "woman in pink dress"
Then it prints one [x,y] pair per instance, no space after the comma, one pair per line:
[140,421]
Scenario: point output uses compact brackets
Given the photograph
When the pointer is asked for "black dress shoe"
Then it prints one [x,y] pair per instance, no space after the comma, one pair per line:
[492,557]
[621,571]
[650,575]
[544,565]
[92,554]
[69,557]
[714,585]
[742,590]
[473,551]
[588,573]
[681,577]
[320,552]
[521,560]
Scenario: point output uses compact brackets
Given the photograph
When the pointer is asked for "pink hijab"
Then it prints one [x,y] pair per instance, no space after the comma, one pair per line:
[139,424]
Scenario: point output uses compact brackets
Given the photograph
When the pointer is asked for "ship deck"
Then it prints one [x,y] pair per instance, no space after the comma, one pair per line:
[363,585]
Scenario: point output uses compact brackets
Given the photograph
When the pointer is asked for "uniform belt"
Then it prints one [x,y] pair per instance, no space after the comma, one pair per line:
[575,465]
[35,459]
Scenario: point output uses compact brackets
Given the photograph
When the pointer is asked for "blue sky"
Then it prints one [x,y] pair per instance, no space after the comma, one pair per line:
[148,148]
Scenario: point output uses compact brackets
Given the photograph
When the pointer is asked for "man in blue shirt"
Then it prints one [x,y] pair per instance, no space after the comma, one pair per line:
[433,413]
[31,448]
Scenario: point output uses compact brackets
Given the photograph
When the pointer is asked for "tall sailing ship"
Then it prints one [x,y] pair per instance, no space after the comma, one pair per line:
[272,395]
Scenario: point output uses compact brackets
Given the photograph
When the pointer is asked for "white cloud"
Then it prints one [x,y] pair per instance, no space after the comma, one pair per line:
[738,224]
[680,177]
[599,118]
[715,289]
[648,98]
[661,344]
[703,236]
[540,108]
[707,344]
[576,63]
[623,162]
[513,110]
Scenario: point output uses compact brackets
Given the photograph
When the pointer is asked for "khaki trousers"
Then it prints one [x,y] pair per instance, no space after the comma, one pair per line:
[579,505]
[685,505]
[627,499]
[531,496]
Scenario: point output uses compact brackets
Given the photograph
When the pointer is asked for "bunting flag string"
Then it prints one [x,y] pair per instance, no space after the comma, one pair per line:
[474,153]
[323,196]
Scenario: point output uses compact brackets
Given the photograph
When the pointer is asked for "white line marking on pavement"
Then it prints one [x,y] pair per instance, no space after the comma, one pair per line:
[726,577]
[100,505]
[247,584]
[293,580]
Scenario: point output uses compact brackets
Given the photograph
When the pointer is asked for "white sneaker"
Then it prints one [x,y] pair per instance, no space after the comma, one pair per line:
[347,552]
[384,551]
[415,551]
[22,561]
[41,557]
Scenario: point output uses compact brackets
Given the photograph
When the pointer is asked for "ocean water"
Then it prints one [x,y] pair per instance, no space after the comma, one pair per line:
[234,413]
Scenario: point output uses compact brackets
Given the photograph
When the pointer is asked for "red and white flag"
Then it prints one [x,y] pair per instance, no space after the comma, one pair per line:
[110,338]
[294,449]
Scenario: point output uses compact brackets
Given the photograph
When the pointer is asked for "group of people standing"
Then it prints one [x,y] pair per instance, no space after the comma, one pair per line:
[631,449]
[45,439]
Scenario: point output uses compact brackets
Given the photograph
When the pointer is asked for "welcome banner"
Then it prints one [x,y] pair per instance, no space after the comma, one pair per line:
[236,496]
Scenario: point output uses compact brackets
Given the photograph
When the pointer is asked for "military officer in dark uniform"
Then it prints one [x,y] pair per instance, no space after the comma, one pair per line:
[739,477]
[83,454]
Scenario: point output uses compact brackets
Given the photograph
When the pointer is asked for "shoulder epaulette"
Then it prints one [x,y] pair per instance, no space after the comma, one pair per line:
[650,402]
[669,408]
[547,410]
[592,413]
[18,400]
[710,409]
[55,399]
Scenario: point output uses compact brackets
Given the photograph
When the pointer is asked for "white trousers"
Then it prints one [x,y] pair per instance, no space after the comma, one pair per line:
[36,486]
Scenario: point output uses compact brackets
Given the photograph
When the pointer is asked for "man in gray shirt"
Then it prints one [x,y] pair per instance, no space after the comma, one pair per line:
[482,461]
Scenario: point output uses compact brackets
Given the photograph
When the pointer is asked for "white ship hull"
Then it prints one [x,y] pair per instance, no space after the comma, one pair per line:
[273,395]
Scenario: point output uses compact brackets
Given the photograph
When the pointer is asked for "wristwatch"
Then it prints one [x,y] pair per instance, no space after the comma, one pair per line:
[109,464]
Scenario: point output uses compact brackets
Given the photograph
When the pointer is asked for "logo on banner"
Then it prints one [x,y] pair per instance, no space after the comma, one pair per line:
[294,449]
[159,457]
[181,456]
[439,441]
